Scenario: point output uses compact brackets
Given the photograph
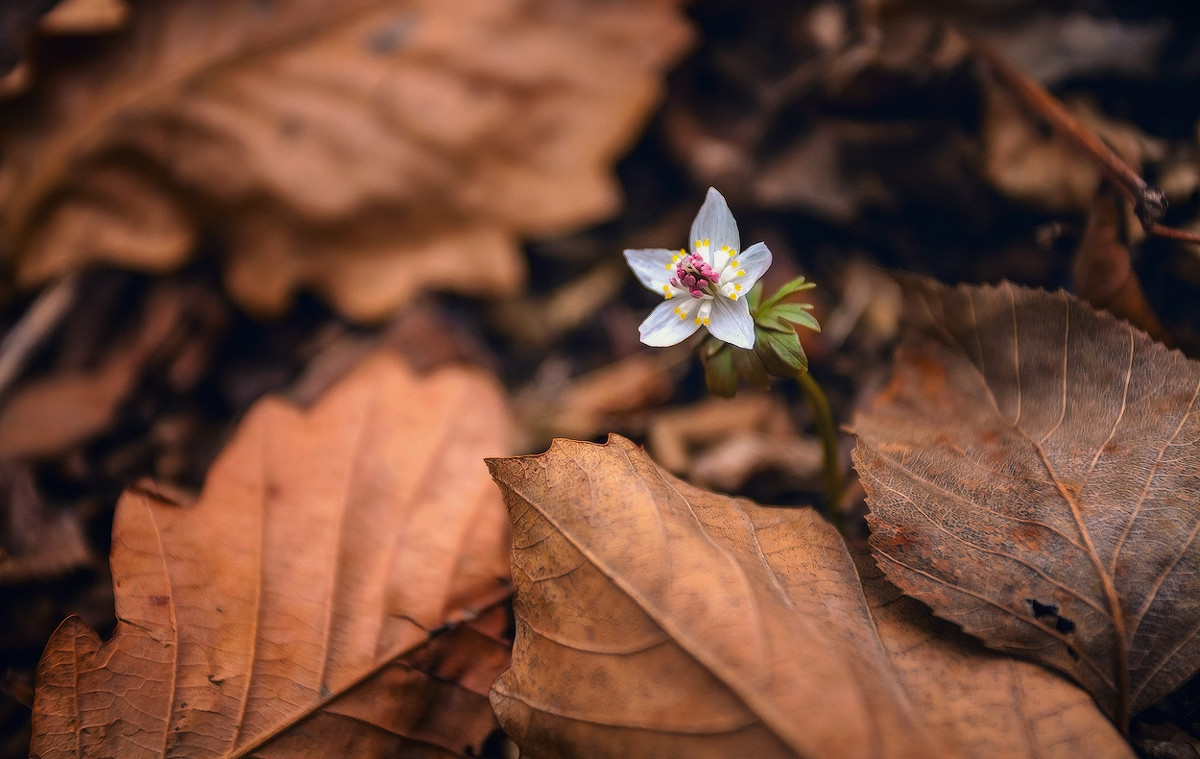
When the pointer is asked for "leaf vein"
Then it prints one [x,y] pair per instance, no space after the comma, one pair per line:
[996,552]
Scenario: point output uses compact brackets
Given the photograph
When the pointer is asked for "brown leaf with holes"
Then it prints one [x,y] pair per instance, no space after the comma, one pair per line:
[365,149]
[291,610]
[1033,476]
[658,619]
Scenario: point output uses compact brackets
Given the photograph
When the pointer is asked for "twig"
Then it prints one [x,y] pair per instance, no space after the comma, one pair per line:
[1175,234]
[1149,203]
[39,321]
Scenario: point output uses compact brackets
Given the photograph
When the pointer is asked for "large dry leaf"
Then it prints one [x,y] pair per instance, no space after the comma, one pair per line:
[657,619]
[325,544]
[1032,473]
[366,149]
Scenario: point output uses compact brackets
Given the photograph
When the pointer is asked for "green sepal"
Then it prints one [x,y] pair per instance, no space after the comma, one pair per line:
[726,365]
[719,374]
[780,352]
[749,367]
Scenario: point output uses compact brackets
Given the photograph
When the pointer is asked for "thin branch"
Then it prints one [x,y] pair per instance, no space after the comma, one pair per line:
[38,322]
[1149,202]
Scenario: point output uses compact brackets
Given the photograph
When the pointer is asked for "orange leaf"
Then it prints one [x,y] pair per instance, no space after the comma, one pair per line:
[658,619]
[326,544]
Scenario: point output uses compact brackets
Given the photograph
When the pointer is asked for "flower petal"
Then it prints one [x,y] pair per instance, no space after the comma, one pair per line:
[654,267]
[715,223]
[664,326]
[731,322]
[751,263]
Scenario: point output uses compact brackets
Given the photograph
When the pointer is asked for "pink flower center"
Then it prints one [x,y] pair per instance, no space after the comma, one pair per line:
[695,275]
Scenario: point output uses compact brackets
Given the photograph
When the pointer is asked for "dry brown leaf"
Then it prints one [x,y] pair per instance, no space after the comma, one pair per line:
[1032,475]
[325,544]
[36,542]
[1056,47]
[657,619]
[721,442]
[1103,269]
[49,415]
[366,149]
[21,20]
[52,415]
[540,321]
[1025,162]
[675,433]
[620,388]
[992,703]
[85,16]
[614,395]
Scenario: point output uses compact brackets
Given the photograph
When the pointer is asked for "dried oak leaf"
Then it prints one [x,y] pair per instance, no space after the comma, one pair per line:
[658,619]
[366,149]
[1032,474]
[269,618]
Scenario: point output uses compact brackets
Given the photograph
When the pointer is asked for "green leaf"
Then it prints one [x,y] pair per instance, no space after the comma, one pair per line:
[796,313]
[772,322]
[791,288]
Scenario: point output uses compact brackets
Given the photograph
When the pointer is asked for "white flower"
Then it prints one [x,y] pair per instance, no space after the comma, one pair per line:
[704,287]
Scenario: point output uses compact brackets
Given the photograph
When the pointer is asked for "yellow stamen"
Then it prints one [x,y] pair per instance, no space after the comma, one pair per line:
[737,287]
[734,263]
[670,266]
[741,272]
[682,315]
[706,321]
[699,320]
[733,296]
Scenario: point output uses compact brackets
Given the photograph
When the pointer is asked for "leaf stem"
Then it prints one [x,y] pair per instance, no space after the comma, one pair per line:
[831,471]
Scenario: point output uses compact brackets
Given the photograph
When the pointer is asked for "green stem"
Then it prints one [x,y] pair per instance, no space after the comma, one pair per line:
[831,471]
